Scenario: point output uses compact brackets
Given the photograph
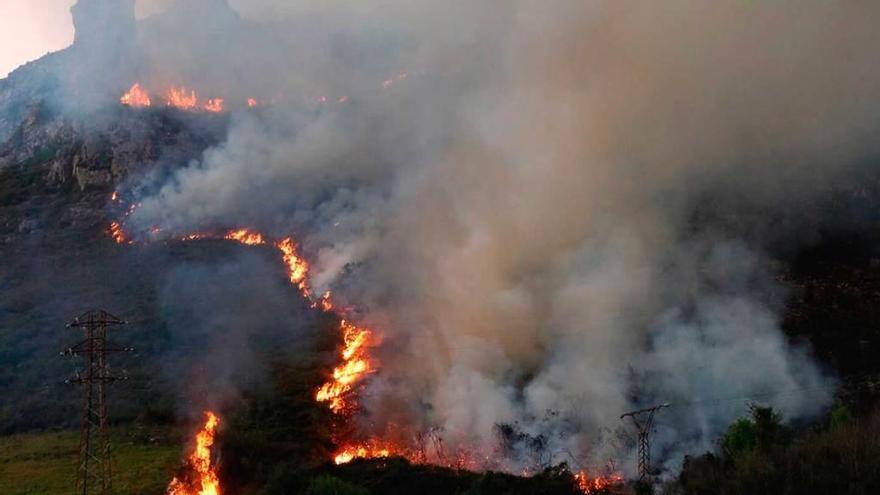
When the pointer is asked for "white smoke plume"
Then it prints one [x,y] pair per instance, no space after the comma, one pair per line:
[521,215]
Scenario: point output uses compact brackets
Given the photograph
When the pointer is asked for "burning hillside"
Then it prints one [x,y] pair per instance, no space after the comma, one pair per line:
[478,321]
[176,97]
[339,393]
[461,237]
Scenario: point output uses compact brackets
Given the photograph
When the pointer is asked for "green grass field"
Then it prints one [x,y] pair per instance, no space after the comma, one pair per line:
[45,463]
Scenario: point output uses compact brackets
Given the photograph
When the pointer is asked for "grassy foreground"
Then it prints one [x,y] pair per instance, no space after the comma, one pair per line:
[45,463]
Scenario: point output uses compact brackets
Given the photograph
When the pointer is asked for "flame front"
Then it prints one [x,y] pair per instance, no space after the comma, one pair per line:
[179,98]
[204,475]
[366,451]
[356,364]
[339,392]
[136,97]
[297,268]
[243,236]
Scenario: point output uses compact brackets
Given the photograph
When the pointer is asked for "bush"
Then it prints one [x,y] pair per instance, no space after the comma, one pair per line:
[759,457]
[740,437]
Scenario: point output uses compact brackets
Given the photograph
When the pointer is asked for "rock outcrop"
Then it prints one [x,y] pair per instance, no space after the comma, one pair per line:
[103,25]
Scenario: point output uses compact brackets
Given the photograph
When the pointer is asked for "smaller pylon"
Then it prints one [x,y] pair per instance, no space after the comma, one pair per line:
[644,428]
[94,473]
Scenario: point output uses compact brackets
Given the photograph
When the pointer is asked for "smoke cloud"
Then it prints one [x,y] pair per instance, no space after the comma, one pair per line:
[552,217]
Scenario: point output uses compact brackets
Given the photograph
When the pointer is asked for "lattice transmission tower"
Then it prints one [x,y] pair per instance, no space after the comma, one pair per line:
[94,471]
[643,419]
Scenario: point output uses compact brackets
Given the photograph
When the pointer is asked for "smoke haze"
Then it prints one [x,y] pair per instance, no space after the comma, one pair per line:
[552,217]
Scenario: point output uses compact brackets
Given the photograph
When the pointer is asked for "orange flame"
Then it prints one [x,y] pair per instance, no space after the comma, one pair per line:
[355,362]
[178,98]
[245,236]
[600,484]
[297,268]
[136,97]
[364,451]
[355,366]
[338,392]
[118,234]
[251,103]
[214,105]
[205,480]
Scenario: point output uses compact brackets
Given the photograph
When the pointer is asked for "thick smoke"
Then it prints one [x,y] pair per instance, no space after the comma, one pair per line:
[223,318]
[522,216]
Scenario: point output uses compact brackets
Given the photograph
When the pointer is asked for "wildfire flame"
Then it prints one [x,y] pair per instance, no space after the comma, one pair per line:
[367,451]
[118,234]
[589,485]
[297,268]
[205,481]
[136,97]
[214,105]
[355,366]
[187,99]
[243,236]
[179,98]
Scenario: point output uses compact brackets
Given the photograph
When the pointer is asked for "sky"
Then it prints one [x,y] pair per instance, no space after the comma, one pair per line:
[31,28]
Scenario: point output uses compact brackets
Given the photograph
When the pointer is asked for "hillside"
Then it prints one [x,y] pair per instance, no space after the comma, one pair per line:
[448,248]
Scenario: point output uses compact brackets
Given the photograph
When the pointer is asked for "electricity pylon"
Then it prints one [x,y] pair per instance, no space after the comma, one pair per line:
[644,428]
[94,472]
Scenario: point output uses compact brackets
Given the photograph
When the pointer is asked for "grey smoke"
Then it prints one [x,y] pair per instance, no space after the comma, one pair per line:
[519,216]
[223,317]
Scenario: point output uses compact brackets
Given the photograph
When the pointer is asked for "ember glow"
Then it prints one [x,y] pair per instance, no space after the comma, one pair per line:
[201,477]
[251,103]
[214,105]
[589,485]
[326,303]
[118,234]
[136,97]
[194,237]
